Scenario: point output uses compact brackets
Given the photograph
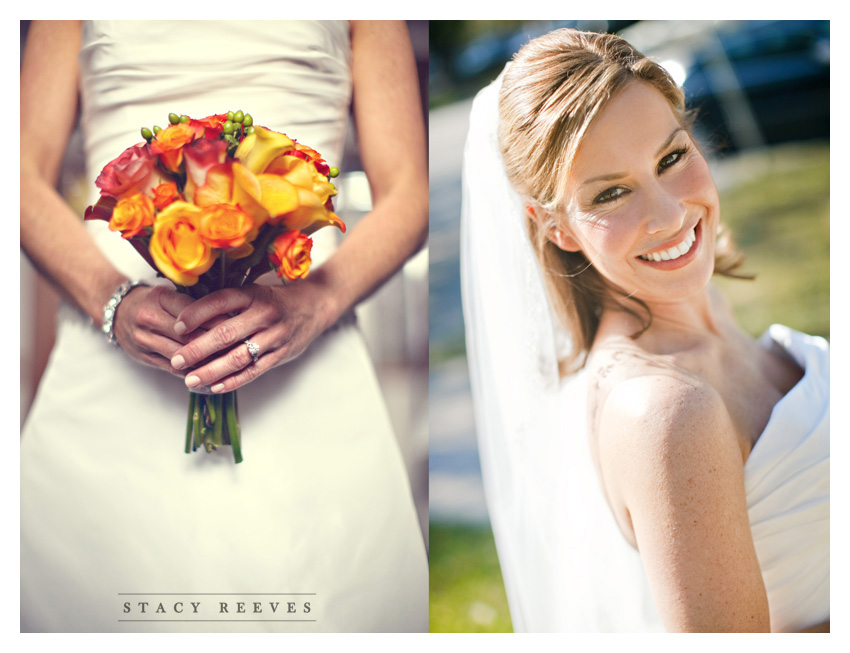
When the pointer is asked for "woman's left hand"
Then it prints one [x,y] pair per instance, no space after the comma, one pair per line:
[282,321]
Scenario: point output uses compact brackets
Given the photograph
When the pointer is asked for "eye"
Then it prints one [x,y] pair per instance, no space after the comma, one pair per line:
[610,195]
[671,159]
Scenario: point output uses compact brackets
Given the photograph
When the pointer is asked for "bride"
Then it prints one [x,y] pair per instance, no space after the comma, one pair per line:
[120,530]
[709,449]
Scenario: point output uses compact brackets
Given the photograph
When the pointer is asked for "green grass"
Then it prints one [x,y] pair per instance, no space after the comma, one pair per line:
[467,593]
[780,220]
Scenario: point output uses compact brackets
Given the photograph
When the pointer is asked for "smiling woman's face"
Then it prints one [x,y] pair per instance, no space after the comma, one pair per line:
[642,205]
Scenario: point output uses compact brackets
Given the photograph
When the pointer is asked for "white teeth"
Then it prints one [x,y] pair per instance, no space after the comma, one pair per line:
[674,252]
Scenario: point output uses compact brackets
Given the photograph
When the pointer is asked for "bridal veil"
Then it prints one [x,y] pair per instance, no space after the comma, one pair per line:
[565,564]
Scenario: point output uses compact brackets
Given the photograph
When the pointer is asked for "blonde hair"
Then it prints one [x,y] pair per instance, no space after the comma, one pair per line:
[554,89]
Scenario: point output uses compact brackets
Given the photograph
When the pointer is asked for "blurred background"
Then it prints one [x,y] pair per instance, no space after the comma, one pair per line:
[400,353]
[761,89]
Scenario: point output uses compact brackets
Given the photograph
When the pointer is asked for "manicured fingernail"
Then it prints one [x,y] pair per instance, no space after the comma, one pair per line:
[177,362]
[179,328]
[218,387]
[192,381]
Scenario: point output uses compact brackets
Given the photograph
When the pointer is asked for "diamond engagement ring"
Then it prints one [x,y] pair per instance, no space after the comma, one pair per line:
[253,349]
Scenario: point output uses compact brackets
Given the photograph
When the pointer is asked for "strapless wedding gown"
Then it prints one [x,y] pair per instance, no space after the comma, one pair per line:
[578,573]
[121,530]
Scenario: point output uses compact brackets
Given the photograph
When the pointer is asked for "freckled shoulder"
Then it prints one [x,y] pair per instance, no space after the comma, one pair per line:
[656,424]
[672,469]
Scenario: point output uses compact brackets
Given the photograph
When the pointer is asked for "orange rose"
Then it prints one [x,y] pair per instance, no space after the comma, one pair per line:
[177,247]
[290,255]
[168,144]
[224,225]
[165,194]
[131,215]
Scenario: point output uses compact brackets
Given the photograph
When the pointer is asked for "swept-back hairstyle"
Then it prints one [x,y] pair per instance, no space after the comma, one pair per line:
[554,89]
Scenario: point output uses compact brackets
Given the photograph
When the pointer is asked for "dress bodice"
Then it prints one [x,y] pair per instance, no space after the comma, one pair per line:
[787,483]
[291,76]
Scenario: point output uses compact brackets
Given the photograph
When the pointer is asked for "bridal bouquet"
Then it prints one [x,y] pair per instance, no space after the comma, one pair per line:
[215,203]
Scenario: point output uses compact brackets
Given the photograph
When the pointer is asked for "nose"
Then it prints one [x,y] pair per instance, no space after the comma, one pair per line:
[665,210]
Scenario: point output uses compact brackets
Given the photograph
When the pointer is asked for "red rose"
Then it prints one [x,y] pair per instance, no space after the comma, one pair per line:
[212,125]
[201,155]
[311,156]
[130,173]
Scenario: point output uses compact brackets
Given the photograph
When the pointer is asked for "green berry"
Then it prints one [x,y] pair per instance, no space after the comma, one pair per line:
[247,121]
[147,134]
[156,129]
[184,118]
[173,118]
[228,127]
[334,172]
[250,130]
[230,116]
[239,116]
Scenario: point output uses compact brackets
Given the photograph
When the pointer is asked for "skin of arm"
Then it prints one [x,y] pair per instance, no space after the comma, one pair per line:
[669,454]
[52,236]
[284,320]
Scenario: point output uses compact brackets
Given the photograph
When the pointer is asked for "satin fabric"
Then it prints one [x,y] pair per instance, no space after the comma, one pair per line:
[120,529]
[787,483]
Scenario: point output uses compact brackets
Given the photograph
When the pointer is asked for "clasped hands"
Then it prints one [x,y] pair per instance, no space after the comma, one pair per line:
[203,340]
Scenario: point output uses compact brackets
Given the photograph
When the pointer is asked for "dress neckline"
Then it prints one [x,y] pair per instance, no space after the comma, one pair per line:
[787,340]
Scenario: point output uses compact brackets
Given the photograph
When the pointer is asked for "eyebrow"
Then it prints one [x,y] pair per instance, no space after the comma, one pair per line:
[619,175]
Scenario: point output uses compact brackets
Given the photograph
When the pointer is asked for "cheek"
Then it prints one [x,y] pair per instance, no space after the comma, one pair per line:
[606,239]
[697,184]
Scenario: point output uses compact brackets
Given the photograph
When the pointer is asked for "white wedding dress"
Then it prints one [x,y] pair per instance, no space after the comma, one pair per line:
[123,531]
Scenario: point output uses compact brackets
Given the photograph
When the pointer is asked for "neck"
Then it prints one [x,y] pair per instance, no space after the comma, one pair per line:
[697,317]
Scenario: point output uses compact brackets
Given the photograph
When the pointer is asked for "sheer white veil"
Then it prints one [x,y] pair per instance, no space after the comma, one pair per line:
[565,564]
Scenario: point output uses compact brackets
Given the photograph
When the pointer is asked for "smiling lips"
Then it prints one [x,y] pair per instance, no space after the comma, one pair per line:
[672,253]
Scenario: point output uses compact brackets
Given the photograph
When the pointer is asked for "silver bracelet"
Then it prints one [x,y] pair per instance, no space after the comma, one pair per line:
[112,306]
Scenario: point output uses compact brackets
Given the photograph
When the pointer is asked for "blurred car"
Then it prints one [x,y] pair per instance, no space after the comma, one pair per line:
[763,82]
[490,51]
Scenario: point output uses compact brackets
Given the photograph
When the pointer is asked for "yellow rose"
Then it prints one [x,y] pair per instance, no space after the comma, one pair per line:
[177,247]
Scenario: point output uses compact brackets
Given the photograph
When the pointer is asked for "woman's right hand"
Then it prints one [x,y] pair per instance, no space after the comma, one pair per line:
[144,326]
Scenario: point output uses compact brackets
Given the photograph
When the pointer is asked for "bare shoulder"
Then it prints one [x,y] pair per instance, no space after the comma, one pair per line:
[632,387]
[672,469]
[656,426]
[668,421]
[669,405]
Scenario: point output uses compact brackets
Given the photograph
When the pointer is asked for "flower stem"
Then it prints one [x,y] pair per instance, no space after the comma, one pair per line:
[190,421]
[196,423]
[215,409]
[233,425]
